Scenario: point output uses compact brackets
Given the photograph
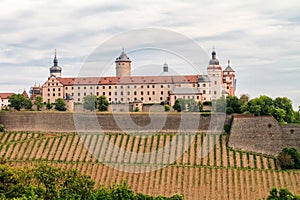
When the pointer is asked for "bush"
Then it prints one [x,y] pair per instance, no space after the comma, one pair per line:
[167,107]
[1,128]
[289,158]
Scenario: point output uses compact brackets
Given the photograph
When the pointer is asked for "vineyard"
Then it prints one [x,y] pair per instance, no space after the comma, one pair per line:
[199,166]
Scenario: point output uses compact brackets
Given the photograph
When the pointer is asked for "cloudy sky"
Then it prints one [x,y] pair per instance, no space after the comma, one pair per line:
[261,38]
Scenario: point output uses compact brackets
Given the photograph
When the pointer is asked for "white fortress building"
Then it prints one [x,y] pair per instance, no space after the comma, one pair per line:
[124,88]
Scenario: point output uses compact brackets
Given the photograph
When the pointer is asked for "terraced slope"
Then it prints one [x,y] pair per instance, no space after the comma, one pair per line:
[222,174]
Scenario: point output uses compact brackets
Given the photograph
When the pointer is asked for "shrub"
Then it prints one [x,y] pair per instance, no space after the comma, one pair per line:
[167,107]
[1,128]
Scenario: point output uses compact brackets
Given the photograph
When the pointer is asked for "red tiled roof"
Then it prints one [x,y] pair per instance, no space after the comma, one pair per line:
[25,94]
[5,95]
[113,80]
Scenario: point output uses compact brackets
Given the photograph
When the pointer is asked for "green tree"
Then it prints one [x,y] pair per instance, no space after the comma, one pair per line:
[287,105]
[283,194]
[279,114]
[49,105]
[90,102]
[38,101]
[179,105]
[289,158]
[233,104]
[221,104]
[16,101]
[102,103]
[27,104]
[60,105]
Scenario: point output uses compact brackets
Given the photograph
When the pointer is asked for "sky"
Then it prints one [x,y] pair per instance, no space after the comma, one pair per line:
[260,38]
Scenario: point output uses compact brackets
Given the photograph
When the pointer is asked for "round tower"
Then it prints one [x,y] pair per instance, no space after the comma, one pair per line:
[123,65]
[165,67]
[55,69]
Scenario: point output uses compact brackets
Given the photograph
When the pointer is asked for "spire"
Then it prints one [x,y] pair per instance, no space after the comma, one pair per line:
[55,61]
[228,62]
[165,67]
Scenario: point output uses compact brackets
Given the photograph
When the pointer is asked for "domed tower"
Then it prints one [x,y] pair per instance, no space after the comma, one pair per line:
[165,67]
[123,65]
[214,72]
[229,79]
[55,69]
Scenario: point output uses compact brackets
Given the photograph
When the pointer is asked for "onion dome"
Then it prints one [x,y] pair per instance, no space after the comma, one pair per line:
[213,60]
[55,68]
[123,57]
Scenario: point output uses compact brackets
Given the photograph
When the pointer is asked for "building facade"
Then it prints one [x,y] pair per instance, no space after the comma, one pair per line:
[124,88]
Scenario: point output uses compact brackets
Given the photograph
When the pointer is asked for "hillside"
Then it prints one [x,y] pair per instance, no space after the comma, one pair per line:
[222,174]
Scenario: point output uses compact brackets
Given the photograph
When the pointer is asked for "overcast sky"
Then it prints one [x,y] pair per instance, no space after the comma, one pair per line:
[261,38]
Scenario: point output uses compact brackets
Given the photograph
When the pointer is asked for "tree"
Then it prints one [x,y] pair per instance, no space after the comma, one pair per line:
[289,158]
[49,105]
[244,98]
[221,104]
[102,103]
[90,102]
[16,101]
[233,104]
[179,105]
[38,101]
[60,105]
[283,194]
[27,104]
[287,105]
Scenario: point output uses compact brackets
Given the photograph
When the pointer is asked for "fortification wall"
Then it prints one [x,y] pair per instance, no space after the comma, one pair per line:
[262,134]
[116,122]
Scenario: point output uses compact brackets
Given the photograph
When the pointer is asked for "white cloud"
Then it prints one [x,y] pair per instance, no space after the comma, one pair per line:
[260,38]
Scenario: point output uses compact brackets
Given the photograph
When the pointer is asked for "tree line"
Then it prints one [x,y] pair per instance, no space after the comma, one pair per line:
[47,182]
[281,108]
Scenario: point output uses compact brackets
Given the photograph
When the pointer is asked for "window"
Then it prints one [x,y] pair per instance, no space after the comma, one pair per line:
[109,87]
[128,86]
[109,99]
[153,86]
[128,93]
[84,88]
[59,89]
[161,86]
[72,93]
[148,93]
[204,85]
[168,86]
[53,89]
[204,91]
[142,86]
[97,87]
[48,94]
[122,94]
[142,98]
[148,86]
[161,98]
[116,93]
[91,87]
[66,88]
[78,99]
[78,88]
[48,89]
[54,94]
[116,87]
[103,87]
[215,82]
[134,92]
[84,94]
[153,92]
[72,88]
[161,92]
[183,97]
[121,99]
[135,86]
[149,98]
[109,93]
[121,86]
[59,94]
[215,92]
[103,93]
[97,93]
[198,97]
[56,84]
[78,93]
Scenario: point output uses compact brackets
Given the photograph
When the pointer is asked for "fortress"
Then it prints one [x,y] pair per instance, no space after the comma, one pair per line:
[125,89]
